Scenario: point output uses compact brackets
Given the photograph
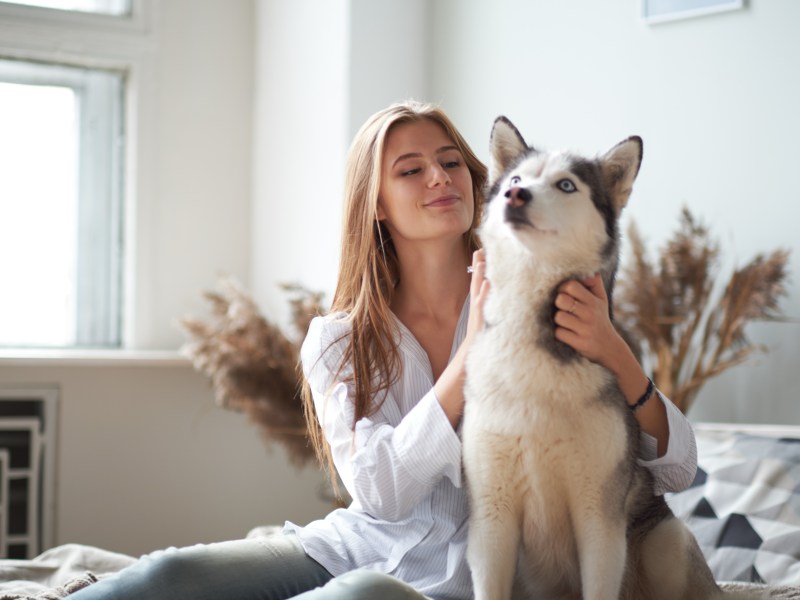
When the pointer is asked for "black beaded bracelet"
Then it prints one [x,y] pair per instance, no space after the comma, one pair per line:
[645,397]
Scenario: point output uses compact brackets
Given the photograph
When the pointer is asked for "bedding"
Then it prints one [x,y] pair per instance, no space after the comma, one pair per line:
[743,507]
[58,572]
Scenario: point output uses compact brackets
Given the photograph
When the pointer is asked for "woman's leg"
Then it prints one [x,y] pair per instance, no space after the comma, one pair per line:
[362,584]
[270,568]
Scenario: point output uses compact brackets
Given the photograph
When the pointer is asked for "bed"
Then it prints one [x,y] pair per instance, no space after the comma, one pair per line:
[744,504]
[743,507]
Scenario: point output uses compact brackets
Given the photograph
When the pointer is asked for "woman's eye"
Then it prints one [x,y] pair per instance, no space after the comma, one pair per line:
[515,180]
[565,185]
[452,164]
[410,172]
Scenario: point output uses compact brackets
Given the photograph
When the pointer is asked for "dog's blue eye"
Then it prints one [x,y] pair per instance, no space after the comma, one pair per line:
[565,185]
[515,180]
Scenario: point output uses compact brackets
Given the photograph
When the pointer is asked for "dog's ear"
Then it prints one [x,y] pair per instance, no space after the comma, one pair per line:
[505,145]
[620,166]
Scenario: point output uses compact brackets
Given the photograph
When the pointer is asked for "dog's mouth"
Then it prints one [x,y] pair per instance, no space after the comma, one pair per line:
[517,216]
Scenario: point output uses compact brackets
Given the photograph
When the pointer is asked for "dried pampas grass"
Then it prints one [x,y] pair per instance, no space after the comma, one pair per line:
[253,365]
[690,327]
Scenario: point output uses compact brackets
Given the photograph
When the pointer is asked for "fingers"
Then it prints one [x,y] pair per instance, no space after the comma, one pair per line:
[478,270]
[567,303]
[595,285]
[478,291]
[479,286]
[576,304]
[581,318]
[584,289]
[581,297]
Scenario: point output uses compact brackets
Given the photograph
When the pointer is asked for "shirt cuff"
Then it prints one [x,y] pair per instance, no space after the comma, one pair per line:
[427,443]
[678,443]
[676,469]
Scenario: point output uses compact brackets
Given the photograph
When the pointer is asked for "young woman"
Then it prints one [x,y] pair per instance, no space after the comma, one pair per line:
[384,373]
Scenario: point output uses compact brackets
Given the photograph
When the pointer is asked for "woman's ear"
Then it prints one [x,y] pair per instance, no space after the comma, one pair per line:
[379,212]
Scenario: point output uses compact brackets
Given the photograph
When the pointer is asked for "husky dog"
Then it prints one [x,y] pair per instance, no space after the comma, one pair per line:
[558,500]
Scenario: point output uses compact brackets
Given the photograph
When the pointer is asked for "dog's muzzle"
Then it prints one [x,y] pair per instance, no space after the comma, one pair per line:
[517,199]
[518,196]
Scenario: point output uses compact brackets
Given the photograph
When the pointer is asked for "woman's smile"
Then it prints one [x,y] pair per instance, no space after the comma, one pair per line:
[444,201]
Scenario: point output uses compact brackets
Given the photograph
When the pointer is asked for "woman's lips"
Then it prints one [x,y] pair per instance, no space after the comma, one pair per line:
[443,201]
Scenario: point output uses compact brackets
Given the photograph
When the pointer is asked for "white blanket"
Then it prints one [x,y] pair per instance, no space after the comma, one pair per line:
[58,572]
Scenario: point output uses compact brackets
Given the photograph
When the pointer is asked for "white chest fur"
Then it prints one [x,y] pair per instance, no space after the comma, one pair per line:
[543,439]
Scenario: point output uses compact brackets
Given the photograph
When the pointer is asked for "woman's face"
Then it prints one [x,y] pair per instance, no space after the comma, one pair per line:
[426,187]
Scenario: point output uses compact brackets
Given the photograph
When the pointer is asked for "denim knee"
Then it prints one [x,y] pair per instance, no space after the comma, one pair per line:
[165,567]
[363,584]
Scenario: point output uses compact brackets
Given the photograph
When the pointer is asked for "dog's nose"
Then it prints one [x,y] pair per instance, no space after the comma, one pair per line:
[518,196]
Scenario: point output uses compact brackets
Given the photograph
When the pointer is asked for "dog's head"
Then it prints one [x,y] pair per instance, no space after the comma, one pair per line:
[560,207]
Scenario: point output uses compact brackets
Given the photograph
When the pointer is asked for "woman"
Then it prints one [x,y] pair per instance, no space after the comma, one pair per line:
[384,373]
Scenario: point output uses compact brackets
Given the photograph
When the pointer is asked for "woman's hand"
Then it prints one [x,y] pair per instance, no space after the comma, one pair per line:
[582,319]
[478,291]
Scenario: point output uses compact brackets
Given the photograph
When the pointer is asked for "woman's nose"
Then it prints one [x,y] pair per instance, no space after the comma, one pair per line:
[439,175]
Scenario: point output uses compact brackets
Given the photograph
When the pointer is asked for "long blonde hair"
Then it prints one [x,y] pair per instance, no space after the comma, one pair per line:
[368,265]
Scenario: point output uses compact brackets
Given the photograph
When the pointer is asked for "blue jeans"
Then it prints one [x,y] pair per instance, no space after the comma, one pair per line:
[269,568]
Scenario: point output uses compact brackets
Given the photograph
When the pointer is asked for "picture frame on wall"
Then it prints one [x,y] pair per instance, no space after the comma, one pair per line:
[659,11]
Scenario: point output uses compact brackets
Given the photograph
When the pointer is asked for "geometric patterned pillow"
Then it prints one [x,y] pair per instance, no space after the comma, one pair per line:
[744,506]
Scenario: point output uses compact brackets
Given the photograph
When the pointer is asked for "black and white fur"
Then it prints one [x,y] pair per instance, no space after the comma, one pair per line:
[559,504]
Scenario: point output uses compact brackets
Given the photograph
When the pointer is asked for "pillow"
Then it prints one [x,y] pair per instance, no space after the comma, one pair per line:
[744,506]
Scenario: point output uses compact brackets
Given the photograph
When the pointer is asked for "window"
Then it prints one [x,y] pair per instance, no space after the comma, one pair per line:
[108,7]
[63,100]
[59,205]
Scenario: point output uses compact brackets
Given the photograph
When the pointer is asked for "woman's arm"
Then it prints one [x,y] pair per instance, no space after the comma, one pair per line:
[392,460]
[582,322]
[669,448]
[449,387]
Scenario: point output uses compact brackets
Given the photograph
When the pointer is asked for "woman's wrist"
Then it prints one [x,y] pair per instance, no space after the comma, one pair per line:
[625,368]
[645,397]
[449,388]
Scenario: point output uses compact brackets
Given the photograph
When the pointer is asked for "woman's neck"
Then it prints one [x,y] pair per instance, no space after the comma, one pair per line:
[433,280]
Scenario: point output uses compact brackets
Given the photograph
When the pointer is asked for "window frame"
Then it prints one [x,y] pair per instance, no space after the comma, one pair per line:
[139,19]
[100,164]
[126,44]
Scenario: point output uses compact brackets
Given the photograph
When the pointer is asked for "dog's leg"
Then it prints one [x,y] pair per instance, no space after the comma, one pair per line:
[494,526]
[602,549]
[494,532]
[673,564]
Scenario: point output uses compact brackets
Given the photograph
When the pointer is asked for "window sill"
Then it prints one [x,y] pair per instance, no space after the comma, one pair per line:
[40,357]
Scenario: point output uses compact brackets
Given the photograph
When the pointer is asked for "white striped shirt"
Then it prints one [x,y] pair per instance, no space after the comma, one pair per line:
[402,468]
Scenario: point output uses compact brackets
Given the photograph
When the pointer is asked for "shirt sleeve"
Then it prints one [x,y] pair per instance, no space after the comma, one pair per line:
[387,465]
[676,470]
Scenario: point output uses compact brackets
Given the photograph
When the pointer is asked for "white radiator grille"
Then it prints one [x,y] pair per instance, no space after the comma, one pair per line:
[27,470]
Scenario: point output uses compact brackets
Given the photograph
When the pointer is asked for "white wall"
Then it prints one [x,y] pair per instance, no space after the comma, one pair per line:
[300,124]
[389,55]
[192,218]
[145,460]
[715,99]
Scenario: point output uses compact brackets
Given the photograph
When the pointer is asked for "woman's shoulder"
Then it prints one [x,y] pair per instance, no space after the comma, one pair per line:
[325,341]
[324,329]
